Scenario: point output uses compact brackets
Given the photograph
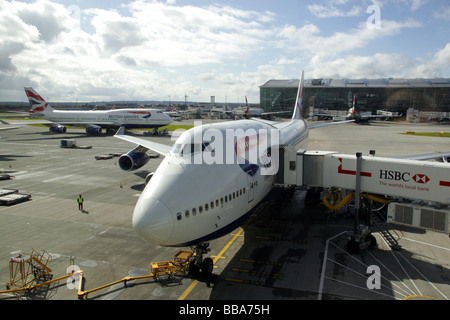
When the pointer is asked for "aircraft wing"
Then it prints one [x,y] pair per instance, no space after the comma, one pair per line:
[25,122]
[328,124]
[7,128]
[154,146]
[276,112]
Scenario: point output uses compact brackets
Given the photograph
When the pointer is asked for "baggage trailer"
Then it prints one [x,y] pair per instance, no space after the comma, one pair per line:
[12,196]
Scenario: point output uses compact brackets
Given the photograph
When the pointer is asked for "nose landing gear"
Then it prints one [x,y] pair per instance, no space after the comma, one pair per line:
[199,265]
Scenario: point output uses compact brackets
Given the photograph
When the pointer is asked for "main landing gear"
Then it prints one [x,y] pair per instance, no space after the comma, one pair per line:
[199,265]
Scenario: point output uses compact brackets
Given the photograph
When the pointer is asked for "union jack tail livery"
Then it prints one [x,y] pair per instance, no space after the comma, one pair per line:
[353,105]
[298,103]
[37,103]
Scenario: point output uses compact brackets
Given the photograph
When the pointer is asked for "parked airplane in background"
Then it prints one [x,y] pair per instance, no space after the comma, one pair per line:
[353,114]
[95,120]
[212,167]
[381,114]
[259,112]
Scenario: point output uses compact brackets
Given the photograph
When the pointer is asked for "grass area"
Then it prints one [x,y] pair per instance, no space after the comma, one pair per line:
[169,127]
[173,127]
[429,134]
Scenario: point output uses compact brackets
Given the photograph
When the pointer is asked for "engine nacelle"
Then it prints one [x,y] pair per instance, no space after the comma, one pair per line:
[133,160]
[149,177]
[94,130]
[58,129]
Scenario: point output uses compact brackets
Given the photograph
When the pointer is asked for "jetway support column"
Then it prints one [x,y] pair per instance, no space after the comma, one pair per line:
[361,238]
[357,190]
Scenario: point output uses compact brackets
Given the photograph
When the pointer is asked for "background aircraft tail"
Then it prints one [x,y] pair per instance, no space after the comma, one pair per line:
[37,103]
[298,113]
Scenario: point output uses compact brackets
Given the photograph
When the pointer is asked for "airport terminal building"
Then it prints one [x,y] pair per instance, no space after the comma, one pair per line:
[396,95]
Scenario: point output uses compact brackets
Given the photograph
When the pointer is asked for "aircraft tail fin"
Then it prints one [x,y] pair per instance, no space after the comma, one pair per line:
[354,105]
[298,113]
[37,103]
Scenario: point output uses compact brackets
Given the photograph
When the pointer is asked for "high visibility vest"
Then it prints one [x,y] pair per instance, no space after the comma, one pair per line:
[80,199]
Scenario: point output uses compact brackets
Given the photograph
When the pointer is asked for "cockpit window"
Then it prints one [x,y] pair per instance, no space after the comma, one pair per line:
[176,148]
[188,149]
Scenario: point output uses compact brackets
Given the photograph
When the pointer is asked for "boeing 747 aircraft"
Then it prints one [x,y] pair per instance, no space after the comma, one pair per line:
[223,171]
[94,121]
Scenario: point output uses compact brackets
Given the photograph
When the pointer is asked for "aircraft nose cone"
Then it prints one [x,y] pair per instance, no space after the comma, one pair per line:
[153,221]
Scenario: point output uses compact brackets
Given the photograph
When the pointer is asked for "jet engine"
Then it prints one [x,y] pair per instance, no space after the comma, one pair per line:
[149,177]
[58,129]
[94,130]
[134,159]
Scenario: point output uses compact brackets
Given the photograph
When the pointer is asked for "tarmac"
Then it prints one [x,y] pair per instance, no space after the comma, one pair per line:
[287,250]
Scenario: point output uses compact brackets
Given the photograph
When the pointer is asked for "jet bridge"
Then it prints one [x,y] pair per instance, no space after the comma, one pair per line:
[399,182]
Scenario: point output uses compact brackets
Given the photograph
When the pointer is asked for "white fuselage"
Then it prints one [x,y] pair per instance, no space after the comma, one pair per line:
[128,118]
[204,188]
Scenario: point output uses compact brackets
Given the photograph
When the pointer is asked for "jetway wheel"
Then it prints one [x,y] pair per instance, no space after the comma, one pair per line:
[354,246]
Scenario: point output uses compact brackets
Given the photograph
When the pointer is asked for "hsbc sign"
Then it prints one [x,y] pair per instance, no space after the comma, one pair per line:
[410,179]
[421,178]
[403,176]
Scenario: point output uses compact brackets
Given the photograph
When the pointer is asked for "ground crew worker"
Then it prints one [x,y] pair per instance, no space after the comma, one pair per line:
[80,202]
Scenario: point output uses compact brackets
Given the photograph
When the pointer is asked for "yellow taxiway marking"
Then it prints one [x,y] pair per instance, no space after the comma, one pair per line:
[219,256]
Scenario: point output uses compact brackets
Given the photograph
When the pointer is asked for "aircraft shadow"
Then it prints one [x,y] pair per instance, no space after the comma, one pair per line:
[287,244]
[12,157]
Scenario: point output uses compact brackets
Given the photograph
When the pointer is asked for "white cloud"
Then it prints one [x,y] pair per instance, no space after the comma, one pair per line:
[309,40]
[443,13]
[131,52]
[153,49]
[330,9]
[351,66]
[438,66]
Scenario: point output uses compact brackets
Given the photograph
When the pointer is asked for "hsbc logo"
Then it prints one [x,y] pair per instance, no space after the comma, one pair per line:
[403,176]
[421,178]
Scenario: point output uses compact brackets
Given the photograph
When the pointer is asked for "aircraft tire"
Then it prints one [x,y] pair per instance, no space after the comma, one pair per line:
[207,266]
[193,268]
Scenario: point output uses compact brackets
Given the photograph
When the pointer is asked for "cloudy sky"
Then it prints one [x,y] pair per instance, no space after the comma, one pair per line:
[80,50]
